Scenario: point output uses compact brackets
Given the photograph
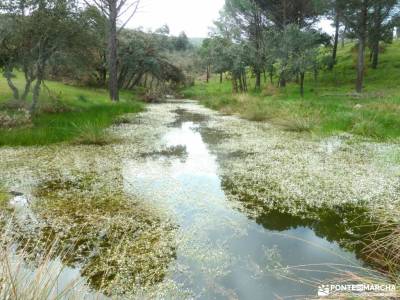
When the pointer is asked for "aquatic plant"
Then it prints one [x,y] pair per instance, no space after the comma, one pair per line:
[83,194]
[119,245]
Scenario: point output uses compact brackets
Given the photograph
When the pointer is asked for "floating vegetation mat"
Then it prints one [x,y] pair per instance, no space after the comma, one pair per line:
[119,245]
[190,203]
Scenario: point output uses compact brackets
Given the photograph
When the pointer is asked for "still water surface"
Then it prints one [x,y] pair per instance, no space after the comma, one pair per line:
[221,251]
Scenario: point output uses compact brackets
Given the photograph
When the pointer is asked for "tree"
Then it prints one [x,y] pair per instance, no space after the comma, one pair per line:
[249,18]
[281,13]
[380,27]
[213,53]
[9,52]
[206,54]
[335,12]
[304,47]
[97,26]
[356,15]
[220,63]
[15,45]
[51,27]
[114,10]
[182,42]
[142,56]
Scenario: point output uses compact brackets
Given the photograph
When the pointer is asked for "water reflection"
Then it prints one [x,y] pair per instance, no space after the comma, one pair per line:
[222,252]
[198,242]
[101,236]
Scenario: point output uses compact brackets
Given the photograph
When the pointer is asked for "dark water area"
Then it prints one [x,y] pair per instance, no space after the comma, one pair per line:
[229,253]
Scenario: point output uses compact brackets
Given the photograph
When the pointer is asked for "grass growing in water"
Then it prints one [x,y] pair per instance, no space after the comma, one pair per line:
[120,246]
[3,196]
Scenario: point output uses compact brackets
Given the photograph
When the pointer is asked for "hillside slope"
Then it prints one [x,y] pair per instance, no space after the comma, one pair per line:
[66,113]
[330,105]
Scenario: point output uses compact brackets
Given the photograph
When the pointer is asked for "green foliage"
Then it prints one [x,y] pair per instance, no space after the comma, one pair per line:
[82,121]
[328,107]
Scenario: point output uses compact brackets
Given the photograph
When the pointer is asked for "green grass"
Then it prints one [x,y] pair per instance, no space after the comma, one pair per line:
[330,105]
[3,196]
[68,113]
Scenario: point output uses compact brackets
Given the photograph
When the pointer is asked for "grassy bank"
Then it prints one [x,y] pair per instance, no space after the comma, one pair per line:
[329,106]
[66,113]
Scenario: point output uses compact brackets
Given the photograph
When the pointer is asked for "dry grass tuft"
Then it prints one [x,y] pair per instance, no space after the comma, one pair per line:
[91,134]
[20,281]
[296,123]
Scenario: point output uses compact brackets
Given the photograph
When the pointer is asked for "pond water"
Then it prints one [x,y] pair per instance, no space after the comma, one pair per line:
[222,252]
[218,246]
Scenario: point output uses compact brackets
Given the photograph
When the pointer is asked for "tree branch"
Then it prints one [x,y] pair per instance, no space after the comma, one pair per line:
[130,17]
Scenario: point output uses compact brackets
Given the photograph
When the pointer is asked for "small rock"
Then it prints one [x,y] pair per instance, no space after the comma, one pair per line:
[14,193]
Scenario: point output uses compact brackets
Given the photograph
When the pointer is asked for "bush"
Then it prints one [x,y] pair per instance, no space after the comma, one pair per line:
[20,118]
[298,123]
[91,133]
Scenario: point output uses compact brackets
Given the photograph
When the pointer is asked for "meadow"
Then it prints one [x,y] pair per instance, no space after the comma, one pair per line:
[66,114]
[329,106]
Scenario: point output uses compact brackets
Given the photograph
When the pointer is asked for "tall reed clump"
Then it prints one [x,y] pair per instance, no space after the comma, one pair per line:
[21,281]
[384,250]
[110,242]
[92,133]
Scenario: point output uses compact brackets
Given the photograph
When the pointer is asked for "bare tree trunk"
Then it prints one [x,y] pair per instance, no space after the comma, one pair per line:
[36,88]
[302,75]
[344,36]
[151,82]
[335,43]
[241,84]
[282,81]
[375,55]
[258,81]
[122,77]
[316,74]
[29,78]
[137,80]
[360,65]
[8,75]
[27,89]
[234,84]
[220,77]
[208,73]
[244,81]
[361,48]
[113,54]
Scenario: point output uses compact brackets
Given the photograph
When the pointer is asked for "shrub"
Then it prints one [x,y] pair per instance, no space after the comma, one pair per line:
[20,118]
[92,133]
[298,123]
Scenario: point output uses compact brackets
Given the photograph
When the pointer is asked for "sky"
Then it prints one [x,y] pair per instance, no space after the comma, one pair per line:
[195,17]
[192,16]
